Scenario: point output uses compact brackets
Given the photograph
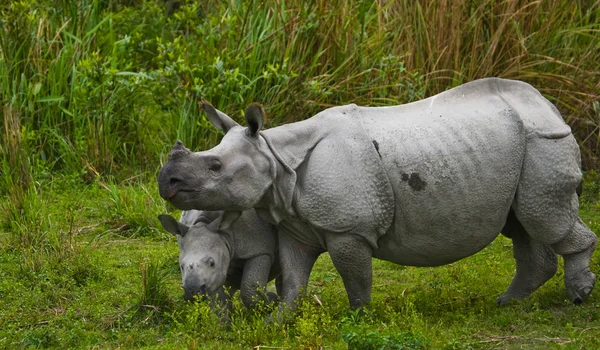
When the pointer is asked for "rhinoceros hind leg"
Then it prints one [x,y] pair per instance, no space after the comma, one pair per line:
[547,204]
[536,262]
[577,249]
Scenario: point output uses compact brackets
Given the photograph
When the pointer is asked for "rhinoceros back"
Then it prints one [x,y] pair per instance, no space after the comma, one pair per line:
[454,161]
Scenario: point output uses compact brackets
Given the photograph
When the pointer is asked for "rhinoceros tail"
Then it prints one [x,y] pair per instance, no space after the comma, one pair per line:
[579,189]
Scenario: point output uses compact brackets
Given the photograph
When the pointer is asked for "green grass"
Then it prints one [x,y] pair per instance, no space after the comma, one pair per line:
[94,269]
[94,92]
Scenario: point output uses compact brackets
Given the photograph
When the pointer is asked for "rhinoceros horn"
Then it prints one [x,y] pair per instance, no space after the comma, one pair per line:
[178,150]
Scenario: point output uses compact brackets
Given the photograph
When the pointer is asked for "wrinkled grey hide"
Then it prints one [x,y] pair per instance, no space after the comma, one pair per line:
[424,184]
[243,257]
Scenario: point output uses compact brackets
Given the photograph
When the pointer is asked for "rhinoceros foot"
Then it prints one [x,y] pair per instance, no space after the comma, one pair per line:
[579,279]
[580,286]
[508,297]
[272,297]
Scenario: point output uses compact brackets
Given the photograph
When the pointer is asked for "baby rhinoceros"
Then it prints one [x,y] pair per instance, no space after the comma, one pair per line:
[241,257]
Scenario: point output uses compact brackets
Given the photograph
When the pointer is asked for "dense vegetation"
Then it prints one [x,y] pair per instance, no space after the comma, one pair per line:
[94,92]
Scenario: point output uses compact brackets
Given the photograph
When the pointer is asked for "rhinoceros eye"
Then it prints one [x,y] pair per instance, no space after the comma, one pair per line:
[211,262]
[215,166]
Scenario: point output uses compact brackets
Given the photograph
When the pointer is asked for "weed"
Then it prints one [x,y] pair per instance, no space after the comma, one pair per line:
[154,300]
[372,340]
[125,204]
[313,325]
[198,323]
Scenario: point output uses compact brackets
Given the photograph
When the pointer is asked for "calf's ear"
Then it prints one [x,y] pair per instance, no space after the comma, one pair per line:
[255,115]
[224,221]
[208,216]
[219,119]
[173,226]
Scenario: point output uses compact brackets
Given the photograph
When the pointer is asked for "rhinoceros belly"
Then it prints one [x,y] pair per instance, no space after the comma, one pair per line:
[454,169]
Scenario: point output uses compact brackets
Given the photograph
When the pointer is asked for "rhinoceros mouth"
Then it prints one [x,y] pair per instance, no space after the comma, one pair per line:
[170,194]
[182,199]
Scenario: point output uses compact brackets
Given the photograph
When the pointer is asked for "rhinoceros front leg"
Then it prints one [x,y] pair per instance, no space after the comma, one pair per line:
[297,260]
[255,279]
[352,256]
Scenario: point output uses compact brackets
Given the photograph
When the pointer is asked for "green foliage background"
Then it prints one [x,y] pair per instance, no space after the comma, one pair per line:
[104,86]
[93,93]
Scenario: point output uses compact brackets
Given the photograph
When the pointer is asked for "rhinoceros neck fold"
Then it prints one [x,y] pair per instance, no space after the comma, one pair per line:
[289,145]
[284,180]
[331,160]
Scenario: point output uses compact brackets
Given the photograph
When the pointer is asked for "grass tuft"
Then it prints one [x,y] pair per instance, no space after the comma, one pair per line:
[155,300]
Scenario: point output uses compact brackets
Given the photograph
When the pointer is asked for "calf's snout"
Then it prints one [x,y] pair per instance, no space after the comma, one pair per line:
[191,291]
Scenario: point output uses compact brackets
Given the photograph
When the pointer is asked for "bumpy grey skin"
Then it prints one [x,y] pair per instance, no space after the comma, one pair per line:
[242,257]
[423,184]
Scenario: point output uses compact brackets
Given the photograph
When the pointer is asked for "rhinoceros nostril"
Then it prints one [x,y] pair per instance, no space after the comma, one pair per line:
[174,181]
[202,289]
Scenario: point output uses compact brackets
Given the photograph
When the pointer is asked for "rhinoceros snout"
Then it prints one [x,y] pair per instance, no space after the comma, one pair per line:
[170,187]
[190,292]
[169,183]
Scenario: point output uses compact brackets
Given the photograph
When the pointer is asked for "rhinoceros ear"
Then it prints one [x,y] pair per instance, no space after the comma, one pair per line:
[173,226]
[219,119]
[255,115]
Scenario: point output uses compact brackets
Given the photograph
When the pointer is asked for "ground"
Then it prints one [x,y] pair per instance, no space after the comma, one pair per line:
[90,267]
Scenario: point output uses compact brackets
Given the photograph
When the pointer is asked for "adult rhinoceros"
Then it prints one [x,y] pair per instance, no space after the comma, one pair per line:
[424,184]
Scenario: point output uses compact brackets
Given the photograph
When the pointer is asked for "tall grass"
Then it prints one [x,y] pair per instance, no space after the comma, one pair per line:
[554,45]
[99,87]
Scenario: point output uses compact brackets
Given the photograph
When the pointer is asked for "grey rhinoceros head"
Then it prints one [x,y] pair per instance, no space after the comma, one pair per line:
[204,256]
[232,176]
